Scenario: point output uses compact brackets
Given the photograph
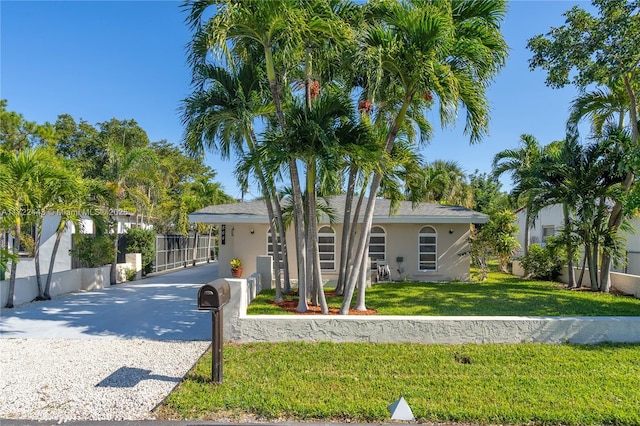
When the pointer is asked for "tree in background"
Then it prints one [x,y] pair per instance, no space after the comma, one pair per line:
[17,134]
[496,237]
[446,183]
[487,194]
[519,163]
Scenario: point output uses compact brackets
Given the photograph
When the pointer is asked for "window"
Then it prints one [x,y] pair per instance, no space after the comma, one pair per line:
[547,231]
[327,248]
[270,248]
[427,249]
[377,247]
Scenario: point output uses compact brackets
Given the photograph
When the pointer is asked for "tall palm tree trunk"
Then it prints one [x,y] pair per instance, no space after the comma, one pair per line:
[615,220]
[36,261]
[298,213]
[368,215]
[346,230]
[14,266]
[59,230]
[570,247]
[283,243]
[362,280]
[362,244]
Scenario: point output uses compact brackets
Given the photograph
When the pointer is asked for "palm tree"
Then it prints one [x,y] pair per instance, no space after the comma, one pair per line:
[52,195]
[608,105]
[317,137]
[446,183]
[611,105]
[519,163]
[72,201]
[126,169]
[243,28]
[419,50]
[224,107]
[285,33]
[24,174]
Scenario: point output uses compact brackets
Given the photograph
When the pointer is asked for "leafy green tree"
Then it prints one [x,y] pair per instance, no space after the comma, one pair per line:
[503,230]
[597,50]
[487,194]
[17,134]
[79,143]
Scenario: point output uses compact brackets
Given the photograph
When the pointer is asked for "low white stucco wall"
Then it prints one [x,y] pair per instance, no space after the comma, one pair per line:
[26,288]
[240,327]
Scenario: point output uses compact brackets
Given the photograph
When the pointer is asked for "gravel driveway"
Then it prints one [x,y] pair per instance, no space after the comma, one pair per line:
[111,354]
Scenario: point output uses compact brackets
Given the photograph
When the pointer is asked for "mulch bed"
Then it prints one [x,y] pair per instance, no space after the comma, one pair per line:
[291,305]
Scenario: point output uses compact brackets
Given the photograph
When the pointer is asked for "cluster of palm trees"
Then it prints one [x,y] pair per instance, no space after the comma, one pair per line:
[68,172]
[598,53]
[588,180]
[325,96]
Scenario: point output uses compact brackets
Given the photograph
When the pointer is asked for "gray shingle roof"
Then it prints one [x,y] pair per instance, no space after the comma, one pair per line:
[256,212]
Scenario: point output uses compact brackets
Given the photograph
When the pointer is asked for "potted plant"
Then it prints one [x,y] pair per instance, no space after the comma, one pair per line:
[236,268]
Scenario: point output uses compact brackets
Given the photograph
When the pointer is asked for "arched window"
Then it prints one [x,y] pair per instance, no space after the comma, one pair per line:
[278,246]
[427,249]
[327,248]
[377,247]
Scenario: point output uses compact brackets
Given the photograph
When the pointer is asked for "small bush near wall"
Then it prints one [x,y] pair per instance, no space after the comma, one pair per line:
[142,241]
[92,251]
[544,262]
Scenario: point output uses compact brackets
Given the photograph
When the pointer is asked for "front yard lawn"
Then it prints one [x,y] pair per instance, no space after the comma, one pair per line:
[500,294]
[532,384]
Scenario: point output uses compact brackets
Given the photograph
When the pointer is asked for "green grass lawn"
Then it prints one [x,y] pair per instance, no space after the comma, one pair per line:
[500,294]
[533,384]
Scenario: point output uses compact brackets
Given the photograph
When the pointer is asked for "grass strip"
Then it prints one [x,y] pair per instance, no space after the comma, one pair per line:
[501,294]
[491,384]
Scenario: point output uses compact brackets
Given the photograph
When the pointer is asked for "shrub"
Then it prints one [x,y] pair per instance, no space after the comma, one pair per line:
[545,262]
[130,274]
[93,250]
[142,241]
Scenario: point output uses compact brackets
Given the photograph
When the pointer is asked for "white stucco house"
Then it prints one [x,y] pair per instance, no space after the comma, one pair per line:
[550,221]
[428,242]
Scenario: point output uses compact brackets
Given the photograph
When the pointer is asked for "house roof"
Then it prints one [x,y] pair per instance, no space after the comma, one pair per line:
[256,212]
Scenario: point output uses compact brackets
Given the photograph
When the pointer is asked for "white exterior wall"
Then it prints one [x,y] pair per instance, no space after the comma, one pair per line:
[401,241]
[553,216]
[26,288]
[26,265]
[549,216]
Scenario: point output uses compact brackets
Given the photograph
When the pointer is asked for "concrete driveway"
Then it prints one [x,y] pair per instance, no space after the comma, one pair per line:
[161,307]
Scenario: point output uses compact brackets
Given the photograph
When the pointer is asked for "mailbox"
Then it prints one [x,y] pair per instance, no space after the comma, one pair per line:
[213,296]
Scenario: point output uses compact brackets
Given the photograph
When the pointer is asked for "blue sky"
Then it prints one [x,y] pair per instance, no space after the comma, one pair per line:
[97,60]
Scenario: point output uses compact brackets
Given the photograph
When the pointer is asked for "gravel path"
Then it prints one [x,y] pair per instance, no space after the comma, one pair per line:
[90,379]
